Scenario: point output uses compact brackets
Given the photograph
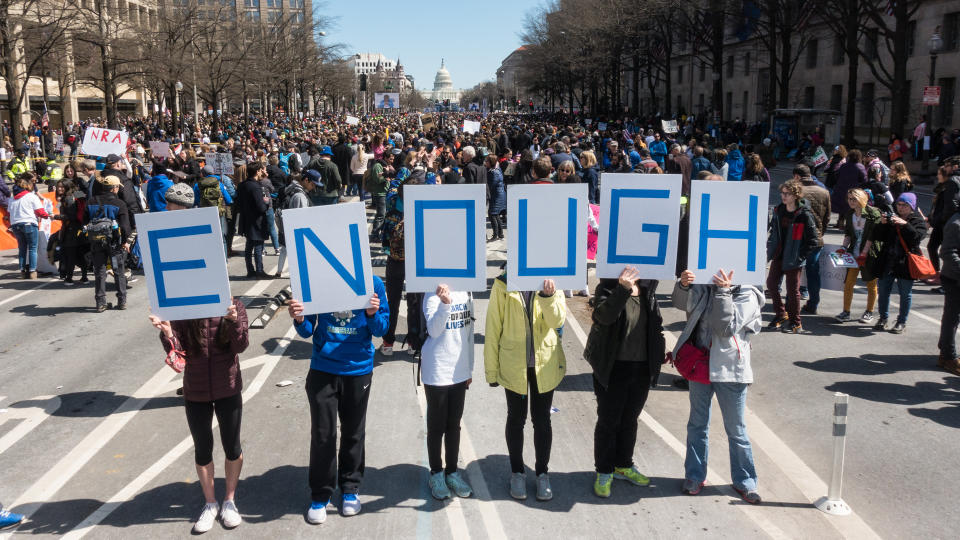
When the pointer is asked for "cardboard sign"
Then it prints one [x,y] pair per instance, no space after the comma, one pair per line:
[728,230]
[329,257]
[386,100]
[639,224]
[471,126]
[222,163]
[669,126]
[427,121]
[160,149]
[445,237]
[548,236]
[352,120]
[184,263]
[103,142]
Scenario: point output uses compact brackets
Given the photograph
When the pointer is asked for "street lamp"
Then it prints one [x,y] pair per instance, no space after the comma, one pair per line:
[179,86]
[934,46]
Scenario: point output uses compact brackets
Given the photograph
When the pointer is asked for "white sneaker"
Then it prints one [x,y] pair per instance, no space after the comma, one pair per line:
[207,518]
[350,506]
[317,513]
[386,349]
[229,515]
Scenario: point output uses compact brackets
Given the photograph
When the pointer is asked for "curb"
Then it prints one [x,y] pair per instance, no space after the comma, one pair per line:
[268,312]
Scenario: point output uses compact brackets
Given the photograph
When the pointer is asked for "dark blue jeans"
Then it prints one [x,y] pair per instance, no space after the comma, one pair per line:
[904,287]
[27,235]
[813,277]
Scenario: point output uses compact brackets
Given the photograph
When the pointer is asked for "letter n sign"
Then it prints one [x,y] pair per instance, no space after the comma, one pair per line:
[444,237]
[728,230]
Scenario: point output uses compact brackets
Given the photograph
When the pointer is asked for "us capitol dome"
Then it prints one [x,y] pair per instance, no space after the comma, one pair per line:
[443,86]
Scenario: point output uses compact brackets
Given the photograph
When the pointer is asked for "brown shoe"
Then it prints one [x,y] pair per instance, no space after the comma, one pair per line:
[33,275]
[953,366]
[941,361]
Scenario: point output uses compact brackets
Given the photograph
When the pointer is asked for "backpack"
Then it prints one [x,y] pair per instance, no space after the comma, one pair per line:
[210,195]
[101,233]
[283,162]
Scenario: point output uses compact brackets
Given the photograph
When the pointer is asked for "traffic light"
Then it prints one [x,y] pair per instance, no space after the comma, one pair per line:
[531,104]
[363,82]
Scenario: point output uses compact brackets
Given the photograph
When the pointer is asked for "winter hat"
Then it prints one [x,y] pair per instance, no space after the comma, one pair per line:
[909,198]
[208,171]
[181,194]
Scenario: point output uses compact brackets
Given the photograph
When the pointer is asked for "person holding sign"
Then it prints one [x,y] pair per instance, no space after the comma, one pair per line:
[859,224]
[212,384]
[522,353]
[792,236]
[625,350]
[338,386]
[447,371]
[721,319]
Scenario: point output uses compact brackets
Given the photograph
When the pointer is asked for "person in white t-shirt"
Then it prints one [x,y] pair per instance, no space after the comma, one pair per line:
[446,370]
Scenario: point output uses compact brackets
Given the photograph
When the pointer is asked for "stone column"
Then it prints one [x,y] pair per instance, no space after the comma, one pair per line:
[71,110]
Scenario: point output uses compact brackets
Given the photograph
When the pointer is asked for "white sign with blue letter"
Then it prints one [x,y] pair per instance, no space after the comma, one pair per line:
[444,231]
[728,230]
[329,254]
[639,224]
[184,263]
[547,237]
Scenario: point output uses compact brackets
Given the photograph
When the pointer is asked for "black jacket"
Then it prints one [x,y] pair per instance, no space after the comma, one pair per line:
[128,191]
[946,201]
[610,329]
[801,236]
[893,259]
[474,173]
[253,210]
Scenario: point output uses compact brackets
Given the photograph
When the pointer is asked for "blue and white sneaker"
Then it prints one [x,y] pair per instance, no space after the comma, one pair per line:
[9,519]
[350,506]
[317,513]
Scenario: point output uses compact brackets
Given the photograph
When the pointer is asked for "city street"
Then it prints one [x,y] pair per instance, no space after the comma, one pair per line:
[94,440]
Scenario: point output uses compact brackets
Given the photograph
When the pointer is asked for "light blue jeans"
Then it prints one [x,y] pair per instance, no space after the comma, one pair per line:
[904,287]
[732,398]
[27,235]
[272,223]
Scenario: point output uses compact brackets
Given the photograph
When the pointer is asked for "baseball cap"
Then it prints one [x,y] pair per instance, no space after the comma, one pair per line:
[326,151]
[112,158]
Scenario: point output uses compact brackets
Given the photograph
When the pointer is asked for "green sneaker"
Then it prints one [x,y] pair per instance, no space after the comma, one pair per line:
[438,486]
[601,486]
[458,485]
[631,475]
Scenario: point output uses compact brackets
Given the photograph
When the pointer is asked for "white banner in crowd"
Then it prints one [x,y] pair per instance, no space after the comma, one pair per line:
[444,230]
[386,100]
[669,126]
[160,149]
[222,163]
[103,142]
[352,120]
[639,224]
[471,126]
[728,230]
[329,254]
[184,263]
[548,236]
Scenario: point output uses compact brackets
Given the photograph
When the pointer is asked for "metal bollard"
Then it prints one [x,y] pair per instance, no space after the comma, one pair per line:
[833,504]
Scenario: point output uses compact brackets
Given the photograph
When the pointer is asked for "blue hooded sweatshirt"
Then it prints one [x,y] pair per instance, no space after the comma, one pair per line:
[735,160]
[156,192]
[342,343]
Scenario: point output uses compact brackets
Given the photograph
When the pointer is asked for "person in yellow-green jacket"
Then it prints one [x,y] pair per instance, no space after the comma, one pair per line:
[18,166]
[522,353]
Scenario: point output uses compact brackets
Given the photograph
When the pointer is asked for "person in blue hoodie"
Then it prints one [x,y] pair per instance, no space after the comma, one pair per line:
[338,386]
[658,150]
[157,187]
[736,163]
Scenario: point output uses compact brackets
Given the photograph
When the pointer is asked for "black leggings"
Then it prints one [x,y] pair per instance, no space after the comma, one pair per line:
[444,411]
[229,410]
[396,273]
[496,225]
[539,405]
[933,246]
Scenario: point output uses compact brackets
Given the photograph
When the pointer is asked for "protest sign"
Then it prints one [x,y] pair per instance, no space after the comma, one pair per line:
[445,237]
[833,276]
[103,142]
[160,149]
[471,126]
[58,143]
[842,260]
[427,121]
[548,236]
[639,224]
[184,263]
[352,120]
[588,121]
[669,126]
[329,257]
[602,126]
[386,100]
[819,157]
[222,162]
[728,230]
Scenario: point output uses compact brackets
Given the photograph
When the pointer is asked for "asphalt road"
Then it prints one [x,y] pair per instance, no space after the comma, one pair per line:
[93,439]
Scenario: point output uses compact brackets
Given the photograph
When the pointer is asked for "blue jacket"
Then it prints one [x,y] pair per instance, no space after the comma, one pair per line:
[735,160]
[343,346]
[156,192]
[702,164]
[498,194]
[658,151]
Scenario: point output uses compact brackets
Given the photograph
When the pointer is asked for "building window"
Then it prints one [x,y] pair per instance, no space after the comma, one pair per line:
[703,71]
[911,37]
[839,56]
[679,103]
[274,4]
[252,4]
[296,4]
[728,106]
[746,64]
[730,66]
[746,103]
[870,49]
[951,31]
[812,52]
[253,15]
[809,96]
[700,104]
[948,91]
[866,104]
[679,74]
[836,97]
[298,17]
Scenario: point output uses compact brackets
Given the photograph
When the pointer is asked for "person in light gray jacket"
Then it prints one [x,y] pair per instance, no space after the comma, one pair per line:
[721,318]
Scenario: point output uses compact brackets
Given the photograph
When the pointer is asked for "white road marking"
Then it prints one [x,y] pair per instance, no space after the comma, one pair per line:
[261,285]
[129,491]
[26,292]
[31,416]
[790,463]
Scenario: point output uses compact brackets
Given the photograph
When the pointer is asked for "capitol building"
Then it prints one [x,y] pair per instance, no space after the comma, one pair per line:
[443,87]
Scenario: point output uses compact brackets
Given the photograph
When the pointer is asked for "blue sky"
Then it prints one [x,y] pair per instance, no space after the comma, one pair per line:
[472,37]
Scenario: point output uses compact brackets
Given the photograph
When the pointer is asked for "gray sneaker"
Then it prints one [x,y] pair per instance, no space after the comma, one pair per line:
[458,485]
[844,316]
[438,486]
[867,317]
[544,493]
[518,486]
